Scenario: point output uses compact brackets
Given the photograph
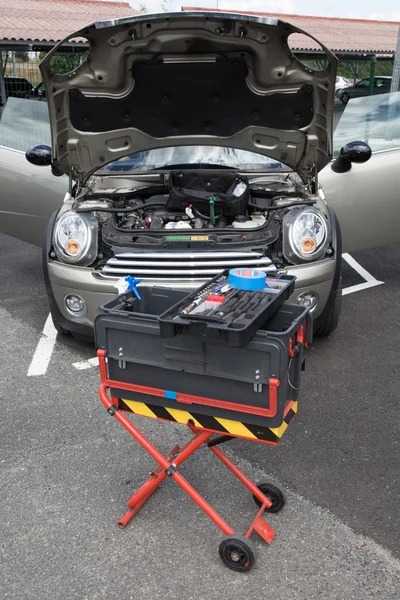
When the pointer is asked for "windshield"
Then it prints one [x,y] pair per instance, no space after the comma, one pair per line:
[192,156]
[371,119]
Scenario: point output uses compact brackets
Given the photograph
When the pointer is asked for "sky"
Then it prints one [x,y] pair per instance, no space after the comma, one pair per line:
[389,10]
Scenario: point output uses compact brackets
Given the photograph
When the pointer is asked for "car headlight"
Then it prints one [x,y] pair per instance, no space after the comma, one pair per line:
[306,235]
[75,238]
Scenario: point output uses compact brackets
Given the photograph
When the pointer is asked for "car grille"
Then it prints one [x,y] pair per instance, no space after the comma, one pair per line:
[179,268]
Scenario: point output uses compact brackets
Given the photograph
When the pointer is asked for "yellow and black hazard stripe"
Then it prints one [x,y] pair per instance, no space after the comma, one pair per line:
[269,435]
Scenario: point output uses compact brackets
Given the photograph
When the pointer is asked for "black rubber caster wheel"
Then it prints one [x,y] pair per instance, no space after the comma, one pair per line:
[274,494]
[237,553]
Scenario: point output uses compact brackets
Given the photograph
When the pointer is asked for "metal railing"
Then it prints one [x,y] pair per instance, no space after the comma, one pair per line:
[20,75]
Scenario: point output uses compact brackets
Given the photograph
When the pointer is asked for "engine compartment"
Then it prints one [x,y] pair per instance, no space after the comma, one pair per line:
[154,215]
[211,202]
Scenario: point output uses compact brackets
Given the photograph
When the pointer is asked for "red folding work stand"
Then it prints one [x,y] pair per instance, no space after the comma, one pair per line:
[236,551]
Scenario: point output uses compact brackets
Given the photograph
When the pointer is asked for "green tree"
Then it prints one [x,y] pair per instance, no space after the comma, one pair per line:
[65,63]
[22,57]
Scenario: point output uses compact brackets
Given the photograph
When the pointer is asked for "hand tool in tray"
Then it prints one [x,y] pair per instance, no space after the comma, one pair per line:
[218,309]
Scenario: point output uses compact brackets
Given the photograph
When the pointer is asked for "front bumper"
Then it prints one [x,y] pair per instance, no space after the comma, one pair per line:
[66,279]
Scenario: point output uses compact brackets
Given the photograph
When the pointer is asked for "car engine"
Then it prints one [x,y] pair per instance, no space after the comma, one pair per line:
[211,202]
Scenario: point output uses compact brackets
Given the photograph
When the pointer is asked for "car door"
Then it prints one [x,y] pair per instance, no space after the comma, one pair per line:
[366,199]
[360,89]
[28,194]
[382,86]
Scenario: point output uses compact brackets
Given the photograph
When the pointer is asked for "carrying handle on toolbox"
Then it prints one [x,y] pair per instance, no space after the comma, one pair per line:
[301,341]
[271,411]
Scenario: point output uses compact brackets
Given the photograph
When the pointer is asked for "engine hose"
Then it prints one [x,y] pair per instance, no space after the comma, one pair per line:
[200,214]
[109,209]
[283,206]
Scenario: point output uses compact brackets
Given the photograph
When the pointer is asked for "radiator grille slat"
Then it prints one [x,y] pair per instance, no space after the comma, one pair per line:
[163,267]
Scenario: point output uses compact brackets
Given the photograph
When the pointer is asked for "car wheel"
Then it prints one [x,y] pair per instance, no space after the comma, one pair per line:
[332,320]
[345,98]
[83,339]
[59,328]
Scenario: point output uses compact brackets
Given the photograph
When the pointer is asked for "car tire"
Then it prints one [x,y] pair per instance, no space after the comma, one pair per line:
[59,328]
[345,98]
[332,320]
[83,339]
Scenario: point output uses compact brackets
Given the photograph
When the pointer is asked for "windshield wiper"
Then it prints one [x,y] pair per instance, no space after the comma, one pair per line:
[191,166]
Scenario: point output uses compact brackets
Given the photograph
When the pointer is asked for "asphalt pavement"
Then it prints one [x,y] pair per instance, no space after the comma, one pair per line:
[67,469]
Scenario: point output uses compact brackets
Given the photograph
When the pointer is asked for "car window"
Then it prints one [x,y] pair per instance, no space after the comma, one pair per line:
[372,119]
[17,81]
[24,123]
[363,83]
[175,156]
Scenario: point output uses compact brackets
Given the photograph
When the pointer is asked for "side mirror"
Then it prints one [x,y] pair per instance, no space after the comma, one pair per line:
[353,152]
[40,156]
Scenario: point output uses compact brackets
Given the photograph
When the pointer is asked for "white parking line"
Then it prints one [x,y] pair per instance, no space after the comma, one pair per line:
[86,364]
[370,280]
[44,349]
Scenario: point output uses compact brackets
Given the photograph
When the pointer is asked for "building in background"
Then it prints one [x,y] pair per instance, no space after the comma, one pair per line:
[29,28]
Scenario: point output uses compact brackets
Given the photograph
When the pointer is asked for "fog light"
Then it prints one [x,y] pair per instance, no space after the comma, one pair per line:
[75,305]
[308,300]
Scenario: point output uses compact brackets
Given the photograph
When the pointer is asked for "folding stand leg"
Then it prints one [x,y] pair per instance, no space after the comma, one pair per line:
[235,551]
[169,468]
[150,486]
[157,476]
[259,525]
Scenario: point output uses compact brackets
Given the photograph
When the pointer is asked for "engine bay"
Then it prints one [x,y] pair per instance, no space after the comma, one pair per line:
[199,201]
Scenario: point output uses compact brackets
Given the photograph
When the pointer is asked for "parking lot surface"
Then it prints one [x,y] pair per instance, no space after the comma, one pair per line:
[67,469]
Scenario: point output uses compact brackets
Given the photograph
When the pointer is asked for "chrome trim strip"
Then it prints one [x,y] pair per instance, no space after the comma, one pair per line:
[166,273]
[186,255]
[161,264]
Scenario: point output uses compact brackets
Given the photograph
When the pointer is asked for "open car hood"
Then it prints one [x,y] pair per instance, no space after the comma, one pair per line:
[175,79]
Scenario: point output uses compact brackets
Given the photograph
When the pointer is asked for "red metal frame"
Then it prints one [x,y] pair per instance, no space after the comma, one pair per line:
[167,467]
[269,412]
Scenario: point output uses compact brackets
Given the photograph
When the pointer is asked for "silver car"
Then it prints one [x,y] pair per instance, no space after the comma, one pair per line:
[215,97]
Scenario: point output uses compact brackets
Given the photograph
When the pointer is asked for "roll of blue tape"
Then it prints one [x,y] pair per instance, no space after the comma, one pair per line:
[247,279]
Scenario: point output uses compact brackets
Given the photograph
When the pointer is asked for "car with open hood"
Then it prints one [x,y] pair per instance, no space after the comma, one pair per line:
[189,143]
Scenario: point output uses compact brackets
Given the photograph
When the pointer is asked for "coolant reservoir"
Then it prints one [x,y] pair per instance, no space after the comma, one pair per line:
[241,222]
[258,218]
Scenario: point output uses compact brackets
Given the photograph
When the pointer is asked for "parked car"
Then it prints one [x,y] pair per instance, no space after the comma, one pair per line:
[340,84]
[381,86]
[149,110]
[39,91]
[17,87]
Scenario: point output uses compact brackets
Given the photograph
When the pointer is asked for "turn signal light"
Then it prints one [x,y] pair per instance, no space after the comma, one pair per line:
[72,247]
[308,245]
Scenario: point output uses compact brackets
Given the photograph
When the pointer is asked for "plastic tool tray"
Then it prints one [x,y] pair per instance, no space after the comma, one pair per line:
[203,377]
[234,315]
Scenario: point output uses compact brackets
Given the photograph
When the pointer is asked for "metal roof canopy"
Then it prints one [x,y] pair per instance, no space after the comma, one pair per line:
[348,39]
[342,56]
[38,45]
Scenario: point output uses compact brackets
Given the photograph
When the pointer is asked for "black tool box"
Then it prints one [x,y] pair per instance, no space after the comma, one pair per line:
[204,376]
[248,310]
